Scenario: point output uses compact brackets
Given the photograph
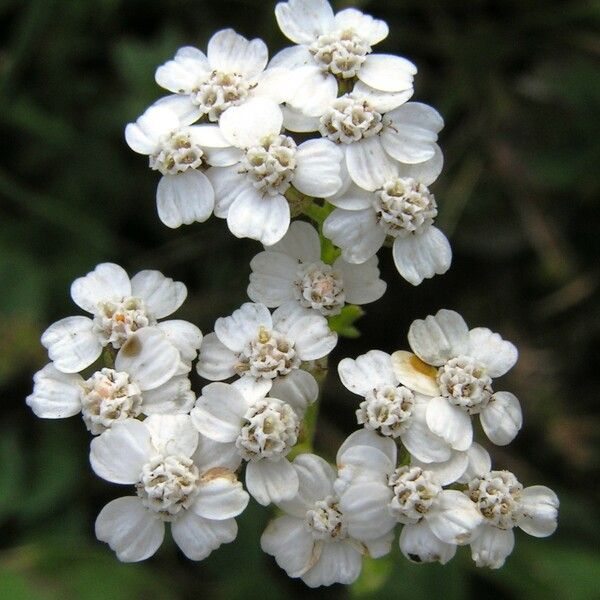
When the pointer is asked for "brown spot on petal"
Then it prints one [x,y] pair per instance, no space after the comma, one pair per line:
[422,367]
[132,347]
[218,473]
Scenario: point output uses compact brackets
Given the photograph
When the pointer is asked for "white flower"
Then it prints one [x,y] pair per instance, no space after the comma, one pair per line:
[455,366]
[390,408]
[144,381]
[374,495]
[179,151]
[311,540]
[179,477]
[260,430]
[250,192]
[231,73]
[402,208]
[504,504]
[120,306]
[292,271]
[267,350]
[337,47]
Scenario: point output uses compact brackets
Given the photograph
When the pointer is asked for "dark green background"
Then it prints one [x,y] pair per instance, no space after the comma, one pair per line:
[518,86]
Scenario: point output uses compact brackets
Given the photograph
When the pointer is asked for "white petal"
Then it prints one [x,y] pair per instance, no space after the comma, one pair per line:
[215,455]
[382,102]
[148,357]
[309,332]
[183,73]
[243,325]
[220,495]
[427,171]
[422,256]
[437,339]
[299,389]
[353,198]
[247,125]
[252,389]
[502,418]
[369,371]
[185,336]
[262,218]
[300,242]
[277,84]
[129,529]
[338,563]
[450,422]
[412,132]
[175,397]
[314,91]
[198,537]
[356,232]
[420,441]
[368,163]
[144,135]
[379,547]
[182,106]
[72,344]
[387,73]
[223,157]
[292,57]
[497,355]
[271,280]
[230,52]
[295,120]
[479,463]
[208,136]
[492,546]
[317,171]
[172,434]
[538,508]
[293,547]
[416,375]
[219,412]
[271,481]
[107,282]
[302,21]
[228,183]
[119,453]
[365,510]
[316,478]
[55,395]
[361,282]
[365,437]
[215,361]
[161,295]
[369,29]
[184,198]
[446,472]
[362,464]
[454,518]
[419,544]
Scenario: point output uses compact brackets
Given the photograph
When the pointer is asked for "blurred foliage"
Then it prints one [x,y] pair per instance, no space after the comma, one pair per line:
[517,83]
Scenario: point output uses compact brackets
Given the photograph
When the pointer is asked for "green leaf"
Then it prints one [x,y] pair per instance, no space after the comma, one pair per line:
[343,323]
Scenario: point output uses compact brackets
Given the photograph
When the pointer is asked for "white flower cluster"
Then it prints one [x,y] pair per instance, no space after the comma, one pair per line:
[224,142]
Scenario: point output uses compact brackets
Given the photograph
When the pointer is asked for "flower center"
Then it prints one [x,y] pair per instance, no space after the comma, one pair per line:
[464,382]
[220,91]
[320,287]
[168,484]
[271,165]
[349,120]
[404,207]
[341,53]
[270,354]
[325,521]
[497,496]
[271,430]
[387,409]
[177,154]
[114,322]
[414,493]
[109,396]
